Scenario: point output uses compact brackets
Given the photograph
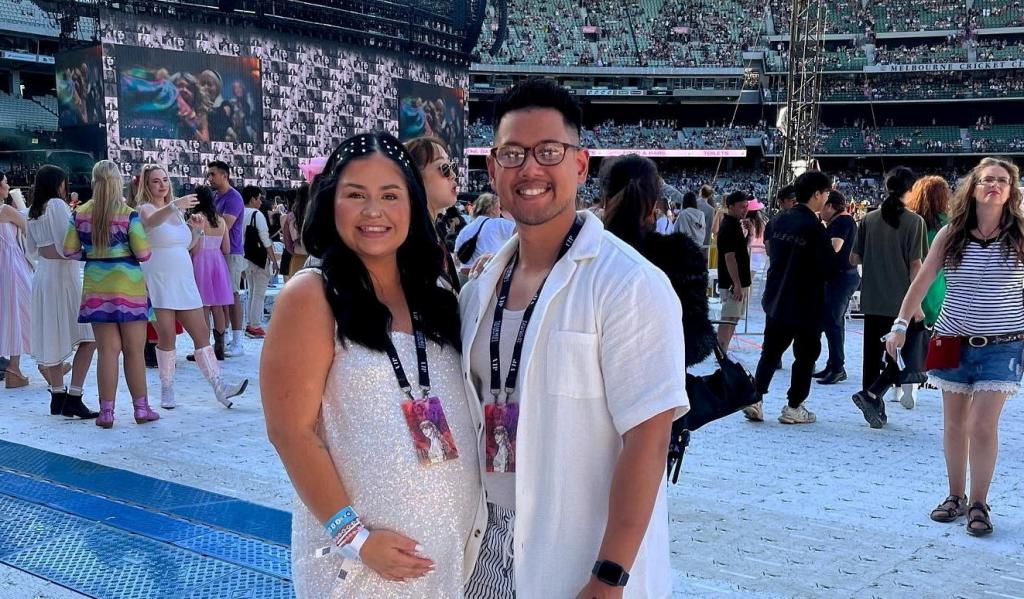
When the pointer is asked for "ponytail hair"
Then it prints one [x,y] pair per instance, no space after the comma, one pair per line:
[898,182]
[631,188]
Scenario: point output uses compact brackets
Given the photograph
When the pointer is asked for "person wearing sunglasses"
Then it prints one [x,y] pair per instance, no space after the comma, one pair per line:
[440,178]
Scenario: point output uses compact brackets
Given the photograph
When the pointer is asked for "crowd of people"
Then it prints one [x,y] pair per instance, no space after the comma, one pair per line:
[647,134]
[155,265]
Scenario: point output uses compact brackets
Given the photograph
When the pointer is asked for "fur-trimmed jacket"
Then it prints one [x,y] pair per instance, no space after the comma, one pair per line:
[683,262]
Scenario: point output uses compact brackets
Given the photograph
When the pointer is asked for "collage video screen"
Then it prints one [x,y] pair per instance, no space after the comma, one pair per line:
[425,109]
[80,87]
[164,94]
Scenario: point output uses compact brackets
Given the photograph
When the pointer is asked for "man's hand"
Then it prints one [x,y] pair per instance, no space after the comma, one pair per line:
[737,293]
[596,589]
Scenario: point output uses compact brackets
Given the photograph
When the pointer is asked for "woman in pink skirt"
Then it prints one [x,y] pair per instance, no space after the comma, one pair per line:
[15,288]
[210,266]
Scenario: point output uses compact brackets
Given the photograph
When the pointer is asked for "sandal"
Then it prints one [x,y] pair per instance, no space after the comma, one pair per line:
[14,380]
[979,508]
[950,509]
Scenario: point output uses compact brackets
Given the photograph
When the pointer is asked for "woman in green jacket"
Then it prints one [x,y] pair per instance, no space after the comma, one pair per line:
[929,198]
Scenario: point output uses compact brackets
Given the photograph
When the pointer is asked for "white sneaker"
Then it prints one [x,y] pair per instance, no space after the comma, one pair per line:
[234,349]
[796,415]
[908,396]
[895,393]
[754,412]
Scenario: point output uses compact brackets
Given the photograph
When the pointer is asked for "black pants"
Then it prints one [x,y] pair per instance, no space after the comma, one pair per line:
[875,327]
[838,292]
[806,344]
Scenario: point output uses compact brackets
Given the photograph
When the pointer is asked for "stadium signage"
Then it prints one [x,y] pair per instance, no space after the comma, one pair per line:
[26,57]
[649,153]
[946,66]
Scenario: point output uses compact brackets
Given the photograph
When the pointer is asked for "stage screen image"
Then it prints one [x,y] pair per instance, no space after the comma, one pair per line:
[80,87]
[425,109]
[163,94]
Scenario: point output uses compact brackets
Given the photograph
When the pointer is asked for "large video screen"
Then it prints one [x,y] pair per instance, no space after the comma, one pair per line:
[163,94]
[425,109]
[80,87]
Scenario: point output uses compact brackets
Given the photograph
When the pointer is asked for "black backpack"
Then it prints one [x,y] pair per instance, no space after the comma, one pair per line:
[465,253]
[254,250]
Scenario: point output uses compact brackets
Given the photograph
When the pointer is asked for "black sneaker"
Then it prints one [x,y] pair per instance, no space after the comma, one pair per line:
[833,377]
[150,354]
[872,408]
[824,372]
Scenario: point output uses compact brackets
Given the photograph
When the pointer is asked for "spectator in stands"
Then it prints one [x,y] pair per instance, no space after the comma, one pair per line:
[890,245]
[440,177]
[929,198]
[56,295]
[801,260]
[841,230]
[690,221]
[489,229]
[15,287]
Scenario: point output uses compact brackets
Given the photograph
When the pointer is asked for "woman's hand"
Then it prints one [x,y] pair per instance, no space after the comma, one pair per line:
[197,221]
[394,557]
[186,202]
[894,341]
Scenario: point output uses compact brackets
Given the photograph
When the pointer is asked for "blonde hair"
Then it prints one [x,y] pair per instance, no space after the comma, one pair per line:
[107,187]
[141,194]
[963,214]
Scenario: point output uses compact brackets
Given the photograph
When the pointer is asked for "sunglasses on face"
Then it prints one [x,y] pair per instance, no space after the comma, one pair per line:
[449,170]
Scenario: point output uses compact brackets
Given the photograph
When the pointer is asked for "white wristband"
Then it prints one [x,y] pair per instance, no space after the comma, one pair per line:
[351,550]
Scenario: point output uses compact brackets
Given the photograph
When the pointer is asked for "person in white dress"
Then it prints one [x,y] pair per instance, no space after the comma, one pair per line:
[15,286]
[171,283]
[56,297]
[348,431]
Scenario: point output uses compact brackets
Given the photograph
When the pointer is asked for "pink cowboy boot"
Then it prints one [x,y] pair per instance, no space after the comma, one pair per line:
[143,413]
[106,417]
[165,362]
[206,359]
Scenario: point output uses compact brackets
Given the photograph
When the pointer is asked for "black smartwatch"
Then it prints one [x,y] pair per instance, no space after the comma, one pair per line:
[610,573]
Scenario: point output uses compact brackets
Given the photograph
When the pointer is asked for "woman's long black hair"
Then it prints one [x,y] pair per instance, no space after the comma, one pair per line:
[630,187]
[46,187]
[898,182]
[205,205]
[361,318]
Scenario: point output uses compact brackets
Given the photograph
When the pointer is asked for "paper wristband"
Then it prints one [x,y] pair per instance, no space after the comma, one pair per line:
[351,550]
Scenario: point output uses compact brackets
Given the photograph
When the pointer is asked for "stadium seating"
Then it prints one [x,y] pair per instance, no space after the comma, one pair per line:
[998,13]
[17,113]
[615,135]
[24,16]
[997,138]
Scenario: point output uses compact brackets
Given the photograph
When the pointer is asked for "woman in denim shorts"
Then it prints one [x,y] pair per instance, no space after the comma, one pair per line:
[981,251]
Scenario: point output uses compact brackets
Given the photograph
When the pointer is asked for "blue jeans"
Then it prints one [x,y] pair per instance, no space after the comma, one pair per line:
[838,291]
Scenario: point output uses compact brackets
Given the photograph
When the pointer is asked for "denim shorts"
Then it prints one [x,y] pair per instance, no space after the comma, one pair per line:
[990,368]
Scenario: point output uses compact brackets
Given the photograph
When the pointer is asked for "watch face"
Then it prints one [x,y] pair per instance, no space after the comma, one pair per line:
[609,572]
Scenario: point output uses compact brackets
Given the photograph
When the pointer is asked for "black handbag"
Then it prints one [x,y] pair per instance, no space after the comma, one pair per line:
[914,352]
[254,250]
[727,391]
[465,252]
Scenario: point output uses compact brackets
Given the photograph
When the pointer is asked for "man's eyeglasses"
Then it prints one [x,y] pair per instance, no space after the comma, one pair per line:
[449,170]
[991,181]
[546,153]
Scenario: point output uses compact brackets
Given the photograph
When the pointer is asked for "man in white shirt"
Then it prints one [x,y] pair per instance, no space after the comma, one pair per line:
[561,352]
[489,228]
[257,276]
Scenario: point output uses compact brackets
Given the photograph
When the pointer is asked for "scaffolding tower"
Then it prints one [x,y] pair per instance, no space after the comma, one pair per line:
[798,121]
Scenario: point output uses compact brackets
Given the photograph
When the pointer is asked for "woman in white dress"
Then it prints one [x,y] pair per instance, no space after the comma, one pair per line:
[15,286]
[348,431]
[171,283]
[56,297]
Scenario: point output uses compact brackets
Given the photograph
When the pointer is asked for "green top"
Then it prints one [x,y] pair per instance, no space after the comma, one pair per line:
[932,303]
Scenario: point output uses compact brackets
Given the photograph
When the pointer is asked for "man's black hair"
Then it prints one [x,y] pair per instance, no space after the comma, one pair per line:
[220,164]
[810,183]
[540,93]
[736,197]
[786,193]
[837,200]
[251,191]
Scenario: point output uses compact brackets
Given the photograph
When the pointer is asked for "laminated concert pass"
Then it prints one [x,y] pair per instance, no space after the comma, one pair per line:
[431,437]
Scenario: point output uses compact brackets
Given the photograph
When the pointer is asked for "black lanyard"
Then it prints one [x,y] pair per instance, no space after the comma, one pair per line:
[421,358]
[499,310]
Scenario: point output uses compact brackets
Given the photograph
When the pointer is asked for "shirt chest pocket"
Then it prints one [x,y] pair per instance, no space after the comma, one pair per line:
[573,366]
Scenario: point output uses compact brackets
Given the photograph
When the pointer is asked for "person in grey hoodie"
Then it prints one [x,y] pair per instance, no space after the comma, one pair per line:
[690,221]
